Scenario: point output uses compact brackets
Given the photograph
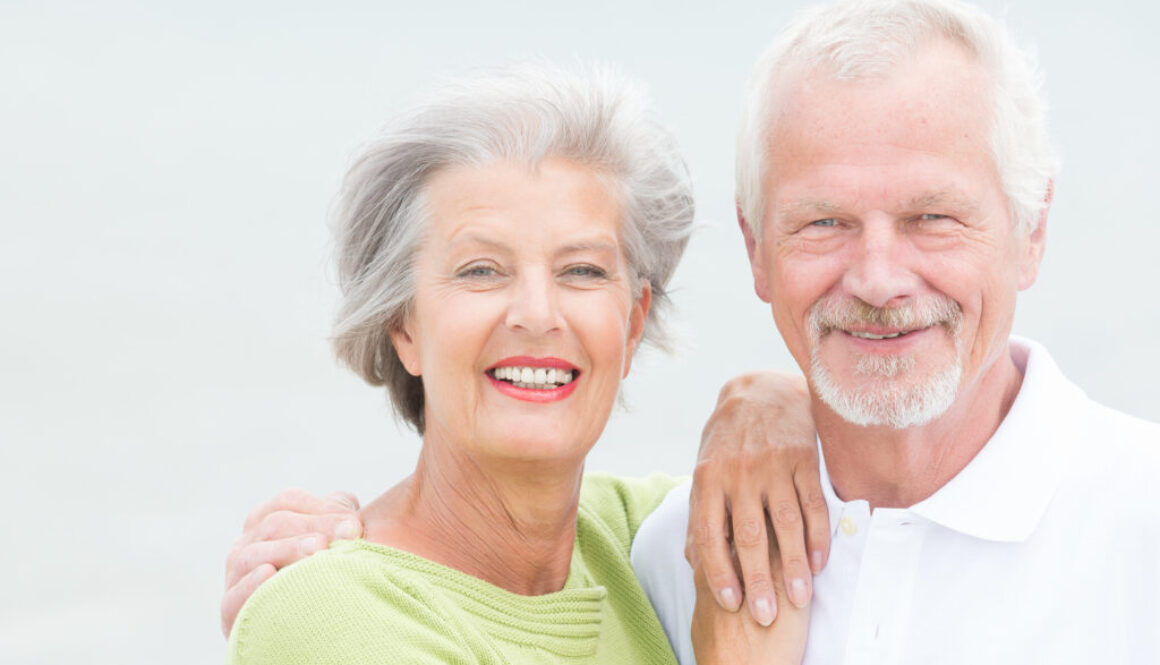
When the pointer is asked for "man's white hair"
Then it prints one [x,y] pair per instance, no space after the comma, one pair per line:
[867,38]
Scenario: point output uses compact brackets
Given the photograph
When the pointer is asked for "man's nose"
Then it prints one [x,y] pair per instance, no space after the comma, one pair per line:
[880,274]
[534,307]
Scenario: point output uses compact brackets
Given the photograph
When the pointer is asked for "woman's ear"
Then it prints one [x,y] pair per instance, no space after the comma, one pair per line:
[636,320]
[403,339]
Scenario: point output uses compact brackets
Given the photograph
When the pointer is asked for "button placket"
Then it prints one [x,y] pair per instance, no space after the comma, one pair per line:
[881,608]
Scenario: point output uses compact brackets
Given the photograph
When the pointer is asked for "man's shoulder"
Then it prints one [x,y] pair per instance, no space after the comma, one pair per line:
[1060,411]
[1112,477]
[1132,432]
[1119,440]
[658,558]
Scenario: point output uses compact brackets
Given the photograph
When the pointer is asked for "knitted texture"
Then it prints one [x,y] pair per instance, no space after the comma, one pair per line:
[361,602]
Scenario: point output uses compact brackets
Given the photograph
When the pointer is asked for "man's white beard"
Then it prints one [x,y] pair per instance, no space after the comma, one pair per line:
[886,398]
[885,401]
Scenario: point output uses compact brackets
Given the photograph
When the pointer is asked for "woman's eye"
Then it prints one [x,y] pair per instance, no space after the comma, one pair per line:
[585,271]
[477,271]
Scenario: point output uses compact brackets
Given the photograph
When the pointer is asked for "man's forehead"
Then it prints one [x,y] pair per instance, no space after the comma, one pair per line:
[936,74]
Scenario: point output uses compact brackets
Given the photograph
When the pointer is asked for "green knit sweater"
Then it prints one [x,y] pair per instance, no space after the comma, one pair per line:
[360,602]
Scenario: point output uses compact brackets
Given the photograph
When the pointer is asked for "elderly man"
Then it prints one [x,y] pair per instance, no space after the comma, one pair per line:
[894,180]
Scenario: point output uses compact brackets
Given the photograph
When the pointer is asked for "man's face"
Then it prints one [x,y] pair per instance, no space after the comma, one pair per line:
[888,251]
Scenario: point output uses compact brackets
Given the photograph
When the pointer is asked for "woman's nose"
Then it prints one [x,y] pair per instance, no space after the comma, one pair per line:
[534,307]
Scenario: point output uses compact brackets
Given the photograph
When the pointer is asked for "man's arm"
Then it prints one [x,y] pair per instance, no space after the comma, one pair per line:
[291,526]
[758,465]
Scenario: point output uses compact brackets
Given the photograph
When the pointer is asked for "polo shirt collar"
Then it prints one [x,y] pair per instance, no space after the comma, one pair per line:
[1003,492]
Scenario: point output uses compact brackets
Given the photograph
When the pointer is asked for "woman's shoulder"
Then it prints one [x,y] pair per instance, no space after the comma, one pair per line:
[622,504]
[351,603]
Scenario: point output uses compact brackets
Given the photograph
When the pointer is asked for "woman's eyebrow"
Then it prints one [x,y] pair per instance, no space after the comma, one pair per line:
[596,245]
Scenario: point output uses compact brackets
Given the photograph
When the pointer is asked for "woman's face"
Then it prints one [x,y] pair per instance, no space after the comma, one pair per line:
[524,320]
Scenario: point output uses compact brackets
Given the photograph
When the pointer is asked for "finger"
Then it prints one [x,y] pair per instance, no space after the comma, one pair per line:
[709,547]
[298,500]
[816,515]
[277,553]
[343,498]
[286,524]
[751,541]
[237,595]
[786,517]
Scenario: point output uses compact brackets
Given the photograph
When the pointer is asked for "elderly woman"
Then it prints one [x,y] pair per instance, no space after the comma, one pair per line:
[504,250]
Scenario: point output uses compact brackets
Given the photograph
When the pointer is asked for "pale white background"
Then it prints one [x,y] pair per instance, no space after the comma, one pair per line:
[165,291]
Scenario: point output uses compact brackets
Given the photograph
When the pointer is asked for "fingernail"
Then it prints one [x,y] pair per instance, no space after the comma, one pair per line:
[309,545]
[729,599]
[798,592]
[816,562]
[347,530]
[763,611]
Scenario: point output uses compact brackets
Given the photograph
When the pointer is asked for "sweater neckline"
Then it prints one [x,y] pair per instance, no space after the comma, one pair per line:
[565,622]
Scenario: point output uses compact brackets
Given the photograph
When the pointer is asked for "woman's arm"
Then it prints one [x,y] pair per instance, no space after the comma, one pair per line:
[758,466]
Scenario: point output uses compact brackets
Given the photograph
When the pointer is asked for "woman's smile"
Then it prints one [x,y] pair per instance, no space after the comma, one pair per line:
[525,317]
[535,379]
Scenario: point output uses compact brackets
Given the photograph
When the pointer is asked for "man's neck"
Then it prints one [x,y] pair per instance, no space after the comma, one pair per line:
[897,468]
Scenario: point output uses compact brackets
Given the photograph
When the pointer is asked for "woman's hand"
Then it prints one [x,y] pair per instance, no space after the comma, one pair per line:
[734,638]
[291,526]
[758,459]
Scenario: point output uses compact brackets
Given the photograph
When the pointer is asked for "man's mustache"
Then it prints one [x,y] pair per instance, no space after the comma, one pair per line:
[848,313]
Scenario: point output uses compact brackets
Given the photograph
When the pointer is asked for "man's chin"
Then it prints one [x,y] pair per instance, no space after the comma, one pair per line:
[887,400]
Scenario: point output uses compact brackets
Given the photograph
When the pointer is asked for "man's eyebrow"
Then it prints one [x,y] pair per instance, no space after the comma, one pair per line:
[930,200]
[943,198]
[819,206]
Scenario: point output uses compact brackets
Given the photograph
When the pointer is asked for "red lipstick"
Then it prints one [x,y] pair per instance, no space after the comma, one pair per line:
[533,394]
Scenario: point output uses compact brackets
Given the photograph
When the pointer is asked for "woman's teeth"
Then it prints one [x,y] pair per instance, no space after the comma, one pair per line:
[536,378]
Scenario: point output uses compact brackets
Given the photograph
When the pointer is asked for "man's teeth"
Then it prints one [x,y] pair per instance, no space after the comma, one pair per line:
[866,335]
[536,378]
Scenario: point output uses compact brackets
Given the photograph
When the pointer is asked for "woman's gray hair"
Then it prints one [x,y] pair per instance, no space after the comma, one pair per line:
[866,38]
[520,114]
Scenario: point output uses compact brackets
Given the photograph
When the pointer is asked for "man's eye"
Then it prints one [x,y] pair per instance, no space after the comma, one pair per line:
[930,217]
[829,221]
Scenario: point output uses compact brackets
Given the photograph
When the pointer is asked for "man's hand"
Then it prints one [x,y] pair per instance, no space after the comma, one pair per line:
[758,459]
[291,526]
[734,638]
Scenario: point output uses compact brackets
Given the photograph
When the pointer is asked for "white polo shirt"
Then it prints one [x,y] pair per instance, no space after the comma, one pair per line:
[1044,549]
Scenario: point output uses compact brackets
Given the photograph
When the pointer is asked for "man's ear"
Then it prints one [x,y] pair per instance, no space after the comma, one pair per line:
[1035,242]
[636,320]
[406,348]
[756,263]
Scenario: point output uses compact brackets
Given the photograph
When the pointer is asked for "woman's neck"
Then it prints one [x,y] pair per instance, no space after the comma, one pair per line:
[512,524]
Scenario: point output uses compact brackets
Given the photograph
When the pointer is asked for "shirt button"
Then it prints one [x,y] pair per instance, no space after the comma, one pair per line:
[848,526]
